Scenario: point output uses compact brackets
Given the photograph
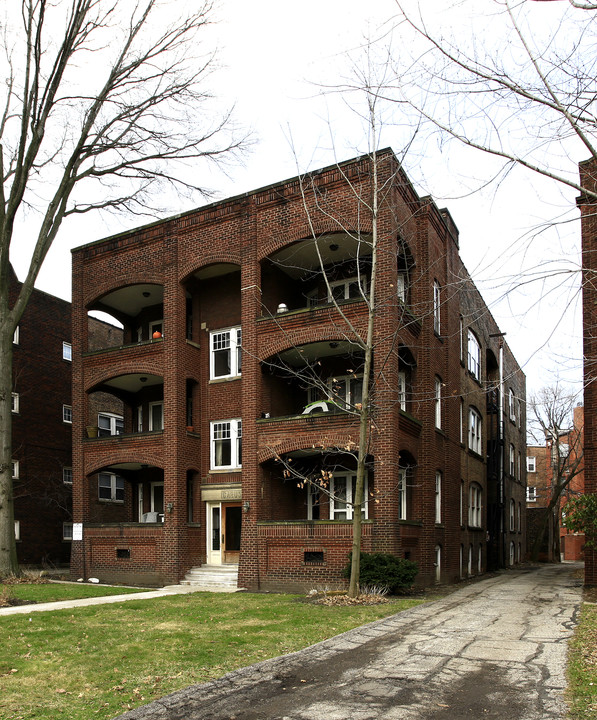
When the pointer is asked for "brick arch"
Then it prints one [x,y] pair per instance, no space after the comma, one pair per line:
[100,375]
[304,442]
[305,231]
[216,258]
[114,282]
[301,336]
[144,458]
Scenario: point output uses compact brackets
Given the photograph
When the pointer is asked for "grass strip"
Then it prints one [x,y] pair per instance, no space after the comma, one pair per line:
[53,592]
[99,661]
[582,666]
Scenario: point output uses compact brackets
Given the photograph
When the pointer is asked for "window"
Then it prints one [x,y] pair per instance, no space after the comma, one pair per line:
[436,307]
[67,475]
[402,506]
[156,416]
[67,414]
[512,513]
[67,351]
[438,497]
[348,289]
[15,403]
[475,506]
[110,487]
[346,391]
[15,469]
[226,353]
[16,336]
[17,530]
[401,285]
[139,420]
[461,503]
[512,461]
[402,389]
[109,424]
[531,464]
[475,439]
[155,327]
[474,356]
[461,419]
[531,494]
[226,444]
[343,489]
[519,518]
[67,531]
[438,402]
[313,501]
[512,405]
[461,337]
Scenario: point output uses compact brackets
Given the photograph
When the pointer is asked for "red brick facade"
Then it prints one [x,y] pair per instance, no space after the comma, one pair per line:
[587,206]
[184,288]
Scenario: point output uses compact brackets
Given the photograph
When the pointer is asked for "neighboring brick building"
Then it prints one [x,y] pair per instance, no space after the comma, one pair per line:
[203,471]
[542,467]
[588,214]
[42,422]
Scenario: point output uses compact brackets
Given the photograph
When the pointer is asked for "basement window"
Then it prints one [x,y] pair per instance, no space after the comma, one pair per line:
[313,557]
[123,554]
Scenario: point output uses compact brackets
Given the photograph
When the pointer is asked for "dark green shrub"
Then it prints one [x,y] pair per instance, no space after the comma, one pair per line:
[385,570]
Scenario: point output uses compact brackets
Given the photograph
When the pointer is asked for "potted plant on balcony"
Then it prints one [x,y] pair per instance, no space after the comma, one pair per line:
[92,431]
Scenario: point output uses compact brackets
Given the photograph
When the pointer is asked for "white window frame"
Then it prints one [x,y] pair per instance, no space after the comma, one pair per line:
[352,393]
[531,493]
[401,286]
[512,460]
[67,531]
[226,339]
[152,504]
[461,505]
[139,419]
[17,530]
[475,431]
[475,506]
[347,284]
[15,403]
[402,494]
[531,463]
[67,414]
[344,508]
[512,515]
[474,355]
[152,405]
[438,402]
[438,497]
[116,487]
[67,475]
[226,430]
[67,351]
[512,405]
[17,335]
[156,325]
[437,297]
[15,470]
[113,422]
[402,389]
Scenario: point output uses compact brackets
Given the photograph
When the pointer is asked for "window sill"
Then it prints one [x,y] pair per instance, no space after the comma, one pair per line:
[225,471]
[228,378]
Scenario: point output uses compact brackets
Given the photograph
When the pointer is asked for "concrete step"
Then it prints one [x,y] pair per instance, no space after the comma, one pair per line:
[212,576]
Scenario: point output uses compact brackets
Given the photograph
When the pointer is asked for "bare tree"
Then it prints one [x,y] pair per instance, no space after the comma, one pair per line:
[551,423]
[102,102]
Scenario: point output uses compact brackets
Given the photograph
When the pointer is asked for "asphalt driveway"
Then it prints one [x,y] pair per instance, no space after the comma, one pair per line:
[492,649]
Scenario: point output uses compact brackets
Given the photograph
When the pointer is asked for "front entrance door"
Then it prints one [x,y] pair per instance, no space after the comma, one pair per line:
[223,533]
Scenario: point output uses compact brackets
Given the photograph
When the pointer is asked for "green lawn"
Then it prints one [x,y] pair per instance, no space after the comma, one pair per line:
[582,666]
[51,592]
[99,661]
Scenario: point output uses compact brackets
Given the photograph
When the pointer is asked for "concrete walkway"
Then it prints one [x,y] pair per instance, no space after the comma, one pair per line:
[493,649]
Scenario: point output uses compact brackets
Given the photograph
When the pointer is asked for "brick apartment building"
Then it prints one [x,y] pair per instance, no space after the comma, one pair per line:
[544,463]
[237,374]
[42,426]
[588,216]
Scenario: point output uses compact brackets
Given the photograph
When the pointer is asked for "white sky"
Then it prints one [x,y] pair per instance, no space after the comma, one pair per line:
[275,54]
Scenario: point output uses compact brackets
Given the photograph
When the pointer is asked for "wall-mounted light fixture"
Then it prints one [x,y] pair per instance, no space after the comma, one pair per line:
[170,507]
[246,506]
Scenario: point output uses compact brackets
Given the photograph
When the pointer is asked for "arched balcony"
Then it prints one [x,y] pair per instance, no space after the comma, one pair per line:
[294,277]
[134,314]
